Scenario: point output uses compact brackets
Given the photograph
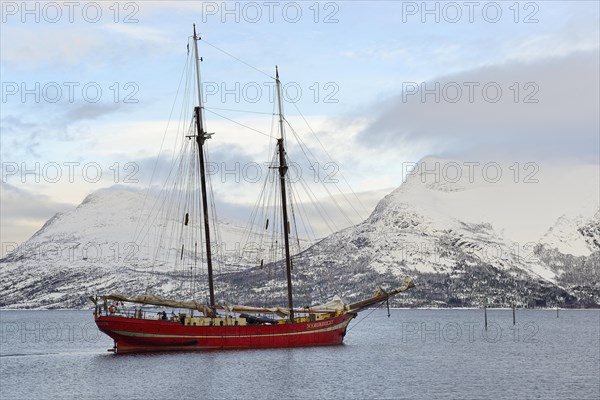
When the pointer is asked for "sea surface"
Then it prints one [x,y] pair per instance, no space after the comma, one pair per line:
[413,354]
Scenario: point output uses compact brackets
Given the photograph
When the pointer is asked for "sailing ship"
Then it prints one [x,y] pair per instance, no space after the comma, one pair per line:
[216,326]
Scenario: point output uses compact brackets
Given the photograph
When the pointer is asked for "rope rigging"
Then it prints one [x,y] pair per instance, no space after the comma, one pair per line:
[181,238]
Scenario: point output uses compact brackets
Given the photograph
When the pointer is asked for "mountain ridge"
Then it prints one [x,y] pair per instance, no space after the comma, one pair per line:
[430,229]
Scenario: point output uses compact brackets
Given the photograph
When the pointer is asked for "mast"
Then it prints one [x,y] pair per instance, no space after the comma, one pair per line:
[282,171]
[200,138]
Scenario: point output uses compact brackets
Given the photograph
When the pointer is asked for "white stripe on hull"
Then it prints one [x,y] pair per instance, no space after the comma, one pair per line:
[158,335]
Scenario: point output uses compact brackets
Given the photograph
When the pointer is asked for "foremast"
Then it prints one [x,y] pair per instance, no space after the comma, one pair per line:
[282,172]
[200,139]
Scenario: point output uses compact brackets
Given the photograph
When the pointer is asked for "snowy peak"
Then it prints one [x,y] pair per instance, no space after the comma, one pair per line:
[444,226]
[438,174]
[591,232]
[579,236]
[100,247]
[111,226]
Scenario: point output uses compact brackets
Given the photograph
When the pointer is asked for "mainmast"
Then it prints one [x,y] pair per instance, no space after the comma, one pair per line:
[200,138]
[282,171]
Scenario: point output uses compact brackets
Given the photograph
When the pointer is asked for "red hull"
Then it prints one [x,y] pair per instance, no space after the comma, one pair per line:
[139,335]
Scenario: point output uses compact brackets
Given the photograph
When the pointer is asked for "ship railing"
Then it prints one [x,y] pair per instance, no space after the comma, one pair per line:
[138,313]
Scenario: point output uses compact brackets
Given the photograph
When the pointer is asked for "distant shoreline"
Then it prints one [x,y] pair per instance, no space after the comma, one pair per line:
[391,308]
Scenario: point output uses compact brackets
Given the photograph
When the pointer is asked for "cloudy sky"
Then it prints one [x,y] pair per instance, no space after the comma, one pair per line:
[89,88]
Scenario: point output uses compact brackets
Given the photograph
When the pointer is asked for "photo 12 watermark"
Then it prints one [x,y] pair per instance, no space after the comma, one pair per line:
[253,12]
[470,92]
[69,92]
[488,252]
[53,12]
[254,92]
[75,253]
[468,332]
[454,12]
[253,172]
[440,172]
[48,332]
[69,172]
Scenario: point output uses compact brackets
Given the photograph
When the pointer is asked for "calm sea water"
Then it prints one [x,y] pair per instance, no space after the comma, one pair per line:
[414,354]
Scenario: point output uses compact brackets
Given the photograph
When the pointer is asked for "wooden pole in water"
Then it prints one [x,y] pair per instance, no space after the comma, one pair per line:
[485,313]
[514,319]
[556,310]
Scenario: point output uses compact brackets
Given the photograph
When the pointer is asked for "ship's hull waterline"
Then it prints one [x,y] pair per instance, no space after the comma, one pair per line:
[132,335]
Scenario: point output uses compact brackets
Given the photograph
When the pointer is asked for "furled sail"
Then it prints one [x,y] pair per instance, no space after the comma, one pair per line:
[335,305]
[159,301]
[381,295]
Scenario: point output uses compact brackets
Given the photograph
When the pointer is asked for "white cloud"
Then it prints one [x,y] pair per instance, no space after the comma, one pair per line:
[56,46]
[553,44]
[23,213]
[561,58]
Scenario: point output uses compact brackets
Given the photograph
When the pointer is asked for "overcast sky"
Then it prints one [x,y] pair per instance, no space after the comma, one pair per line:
[88,89]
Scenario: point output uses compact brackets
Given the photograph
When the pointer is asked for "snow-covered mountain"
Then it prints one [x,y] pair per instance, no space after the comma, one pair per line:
[447,231]
[108,243]
[439,232]
[579,236]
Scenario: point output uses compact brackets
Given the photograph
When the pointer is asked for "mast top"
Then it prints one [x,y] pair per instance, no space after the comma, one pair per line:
[279,102]
[199,83]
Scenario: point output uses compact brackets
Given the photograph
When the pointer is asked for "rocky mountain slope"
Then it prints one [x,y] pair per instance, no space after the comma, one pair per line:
[442,232]
[579,236]
[108,243]
[455,261]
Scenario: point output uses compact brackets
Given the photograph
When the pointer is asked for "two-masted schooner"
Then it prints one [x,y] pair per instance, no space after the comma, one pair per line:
[217,326]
